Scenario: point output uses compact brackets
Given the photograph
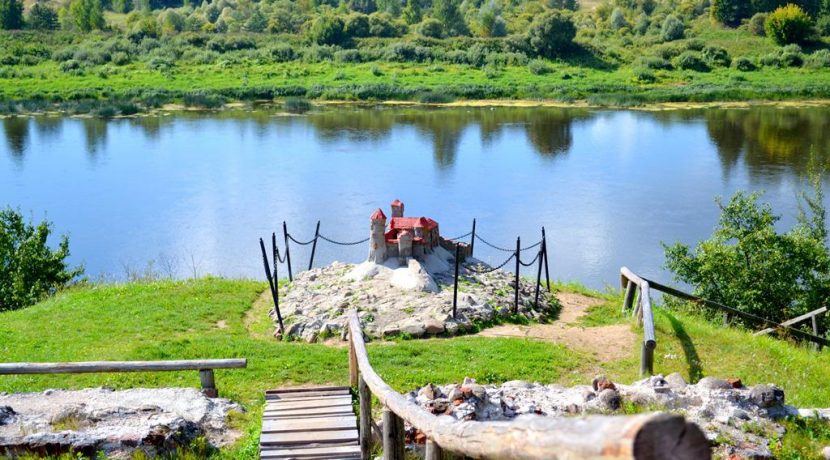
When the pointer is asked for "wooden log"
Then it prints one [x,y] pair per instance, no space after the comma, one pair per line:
[365,419]
[643,436]
[353,371]
[630,292]
[208,383]
[796,320]
[433,451]
[121,366]
[393,436]
[626,273]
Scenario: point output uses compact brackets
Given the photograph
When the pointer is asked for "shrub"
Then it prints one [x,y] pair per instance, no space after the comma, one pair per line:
[788,24]
[376,71]
[431,28]
[538,67]
[672,29]
[357,25]
[551,34]
[691,60]
[823,25]
[617,20]
[347,56]
[716,56]
[730,12]
[70,65]
[572,5]
[791,56]
[120,58]
[203,100]
[756,24]
[744,64]
[747,264]
[328,29]
[644,76]
[29,268]
[42,18]
[383,25]
[282,52]
[819,59]
[656,63]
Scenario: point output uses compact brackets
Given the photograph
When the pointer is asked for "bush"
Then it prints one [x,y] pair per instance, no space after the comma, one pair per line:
[383,25]
[203,100]
[551,34]
[788,24]
[656,63]
[756,24]
[823,25]
[29,268]
[691,60]
[42,18]
[431,28]
[538,67]
[357,25]
[730,12]
[328,29]
[747,264]
[672,29]
[819,59]
[744,64]
[644,76]
[716,56]
[282,52]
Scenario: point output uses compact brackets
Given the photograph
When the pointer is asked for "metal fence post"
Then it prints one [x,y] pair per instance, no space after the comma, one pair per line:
[314,246]
[473,238]
[539,274]
[455,287]
[271,282]
[545,245]
[518,269]
[287,253]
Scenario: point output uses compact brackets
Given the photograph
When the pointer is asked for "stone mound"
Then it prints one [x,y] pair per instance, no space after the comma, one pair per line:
[413,300]
[117,423]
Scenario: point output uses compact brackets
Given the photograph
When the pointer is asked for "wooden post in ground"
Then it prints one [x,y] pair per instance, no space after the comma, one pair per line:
[433,451]
[630,291]
[365,397]
[208,383]
[393,436]
[518,269]
[816,331]
[353,370]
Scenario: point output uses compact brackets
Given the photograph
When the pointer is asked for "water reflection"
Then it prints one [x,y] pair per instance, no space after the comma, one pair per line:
[16,133]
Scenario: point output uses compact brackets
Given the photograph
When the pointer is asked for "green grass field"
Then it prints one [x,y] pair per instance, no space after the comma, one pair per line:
[220,318]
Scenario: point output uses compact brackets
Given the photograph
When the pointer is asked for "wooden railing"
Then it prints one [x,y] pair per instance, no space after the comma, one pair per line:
[645,317]
[204,366]
[644,436]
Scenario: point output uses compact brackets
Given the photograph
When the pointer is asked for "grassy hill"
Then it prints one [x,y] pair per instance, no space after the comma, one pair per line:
[220,318]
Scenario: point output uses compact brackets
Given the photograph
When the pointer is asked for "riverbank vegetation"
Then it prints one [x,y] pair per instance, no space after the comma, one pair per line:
[118,57]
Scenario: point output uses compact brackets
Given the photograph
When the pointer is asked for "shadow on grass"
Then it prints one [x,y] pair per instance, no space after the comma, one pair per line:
[692,358]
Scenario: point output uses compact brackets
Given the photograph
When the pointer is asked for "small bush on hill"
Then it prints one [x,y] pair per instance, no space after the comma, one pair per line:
[328,29]
[716,56]
[756,24]
[730,12]
[819,59]
[672,29]
[789,24]
[691,60]
[744,64]
[656,63]
[538,67]
[823,24]
[552,34]
[29,268]
[431,28]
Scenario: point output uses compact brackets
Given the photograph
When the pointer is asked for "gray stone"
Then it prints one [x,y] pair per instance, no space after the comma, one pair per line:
[477,390]
[6,415]
[610,399]
[455,394]
[588,394]
[766,396]
[711,383]
[415,329]
[391,330]
[826,453]
[434,326]
[676,381]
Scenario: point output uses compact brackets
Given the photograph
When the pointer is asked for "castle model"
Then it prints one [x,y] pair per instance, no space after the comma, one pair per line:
[407,237]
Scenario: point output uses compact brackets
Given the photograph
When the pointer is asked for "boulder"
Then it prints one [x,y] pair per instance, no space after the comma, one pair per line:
[6,415]
[609,399]
[712,383]
[766,396]
[676,381]
[434,326]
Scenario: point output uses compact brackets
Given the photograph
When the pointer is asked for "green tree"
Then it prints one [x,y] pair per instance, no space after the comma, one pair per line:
[257,22]
[447,12]
[122,6]
[672,29]
[42,18]
[730,12]
[551,34]
[411,13]
[747,264]
[171,22]
[11,14]
[357,25]
[29,268]
[431,28]
[789,24]
[87,14]
[328,29]
[572,5]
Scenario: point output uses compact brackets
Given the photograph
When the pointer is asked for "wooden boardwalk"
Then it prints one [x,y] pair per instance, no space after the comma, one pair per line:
[309,424]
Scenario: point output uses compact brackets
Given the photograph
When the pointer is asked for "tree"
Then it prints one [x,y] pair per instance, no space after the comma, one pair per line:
[42,18]
[171,22]
[551,34]
[357,25]
[572,5]
[730,12]
[431,28]
[122,6]
[447,12]
[328,29]
[87,14]
[747,264]
[11,14]
[488,21]
[29,268]
[411,14]
[789,24]
[672,29]
[257,22]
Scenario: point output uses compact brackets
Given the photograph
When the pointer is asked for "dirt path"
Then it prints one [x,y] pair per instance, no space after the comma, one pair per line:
[607,343]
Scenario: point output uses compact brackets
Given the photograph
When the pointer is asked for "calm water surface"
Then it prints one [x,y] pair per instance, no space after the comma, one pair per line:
[192,193]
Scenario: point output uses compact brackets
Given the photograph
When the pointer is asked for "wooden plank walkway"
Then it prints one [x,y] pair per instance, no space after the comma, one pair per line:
[309,424]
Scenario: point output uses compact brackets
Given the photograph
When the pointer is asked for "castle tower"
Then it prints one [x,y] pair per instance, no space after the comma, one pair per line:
[377,240]
[397,209]
[404,246]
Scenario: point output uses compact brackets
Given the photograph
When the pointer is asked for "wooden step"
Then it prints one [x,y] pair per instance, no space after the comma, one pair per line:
[327,452]
[314,424]
[308,437]
[308,403]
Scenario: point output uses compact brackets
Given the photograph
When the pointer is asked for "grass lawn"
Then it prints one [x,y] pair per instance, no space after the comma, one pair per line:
[214,318]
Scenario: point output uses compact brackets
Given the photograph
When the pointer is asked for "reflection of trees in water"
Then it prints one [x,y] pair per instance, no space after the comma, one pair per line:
[48,127]
[548,129]
[16,132]
[770,137]
[95,135]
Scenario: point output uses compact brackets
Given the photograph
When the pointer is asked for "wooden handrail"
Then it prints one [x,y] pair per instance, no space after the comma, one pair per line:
[645,316]
[643,436]
[796,320]
[204,366]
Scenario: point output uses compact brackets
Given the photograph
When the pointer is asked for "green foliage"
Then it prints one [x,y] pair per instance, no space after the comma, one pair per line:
[744,64]
[87,14]
[730,12]
[819,59]
[171,22]
[747,264]
[11,14]
[551,34]
[823,25]
[357,25]
[448,13]
[757,23]
[42,18]
[715,56]
[412,13]
[538,67]
[328,29]
[691,60]
[29,268]
[789,24]
[617,19]
[672,29]
[572,5]
[805,437]
[431,28]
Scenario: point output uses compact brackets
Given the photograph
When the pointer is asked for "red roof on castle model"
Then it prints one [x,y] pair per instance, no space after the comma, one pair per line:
[404,223]
[397,203]
[378,215]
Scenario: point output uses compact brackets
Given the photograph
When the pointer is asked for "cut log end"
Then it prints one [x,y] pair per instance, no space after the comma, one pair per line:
[671,436]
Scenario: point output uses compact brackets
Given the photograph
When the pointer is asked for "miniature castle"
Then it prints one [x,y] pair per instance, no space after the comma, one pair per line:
[407,237]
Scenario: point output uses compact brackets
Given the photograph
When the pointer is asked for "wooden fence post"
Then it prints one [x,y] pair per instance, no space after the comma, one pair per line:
[353,370]
[433,451]
[630,290]
[208,383]
[816,331]
[393,436]
[365,397]
[314,246]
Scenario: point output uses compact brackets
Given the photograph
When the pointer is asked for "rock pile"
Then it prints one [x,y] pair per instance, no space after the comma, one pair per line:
[738,420]
[117,423]
[414,300]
